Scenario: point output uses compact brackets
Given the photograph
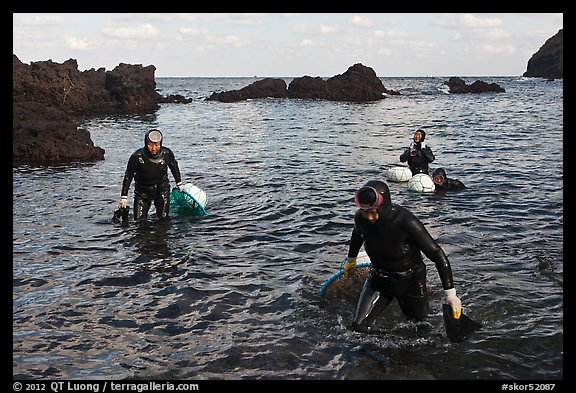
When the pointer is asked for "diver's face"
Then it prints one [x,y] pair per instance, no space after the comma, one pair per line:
[153,147]
[417,136]
[370,214]
[438,180]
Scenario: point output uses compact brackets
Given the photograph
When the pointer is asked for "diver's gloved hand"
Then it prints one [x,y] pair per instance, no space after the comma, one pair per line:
[180,186]
[350,264]
[123,202]
[453,301]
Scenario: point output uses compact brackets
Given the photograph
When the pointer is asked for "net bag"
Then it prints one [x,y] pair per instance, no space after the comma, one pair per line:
[347,287]
[399,174]
[191,201]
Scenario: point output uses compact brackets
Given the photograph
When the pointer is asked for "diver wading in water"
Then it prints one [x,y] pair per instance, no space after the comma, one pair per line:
[148,166]
[418,154]
[394,239]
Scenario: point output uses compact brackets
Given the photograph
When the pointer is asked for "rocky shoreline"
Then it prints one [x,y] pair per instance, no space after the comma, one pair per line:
[47,97]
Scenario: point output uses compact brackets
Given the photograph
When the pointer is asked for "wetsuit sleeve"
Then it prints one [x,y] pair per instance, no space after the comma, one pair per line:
[453,185]
[427,152]
[432,250]
[458,185]
[129,174]
[404,156]
[356,242]
[174,168]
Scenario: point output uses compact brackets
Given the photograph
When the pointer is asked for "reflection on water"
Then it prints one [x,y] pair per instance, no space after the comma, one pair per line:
[235,294]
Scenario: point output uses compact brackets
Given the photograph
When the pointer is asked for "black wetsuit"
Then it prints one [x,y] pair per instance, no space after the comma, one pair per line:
[418,158]
[449,184]
[150,174]
[394,244]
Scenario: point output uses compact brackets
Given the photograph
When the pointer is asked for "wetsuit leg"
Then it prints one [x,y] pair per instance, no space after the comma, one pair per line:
[141,205]
[162,204]
[370,305]
[414,303]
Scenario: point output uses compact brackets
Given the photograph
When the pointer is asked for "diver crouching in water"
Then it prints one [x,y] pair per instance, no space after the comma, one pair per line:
[444,183]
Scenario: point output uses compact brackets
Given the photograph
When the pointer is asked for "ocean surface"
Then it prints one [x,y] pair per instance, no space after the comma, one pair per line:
[234,295]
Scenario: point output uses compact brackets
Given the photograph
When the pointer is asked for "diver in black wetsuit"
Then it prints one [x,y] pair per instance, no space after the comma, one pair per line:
[444,183]
[149,168]
[418,154]
[394,239]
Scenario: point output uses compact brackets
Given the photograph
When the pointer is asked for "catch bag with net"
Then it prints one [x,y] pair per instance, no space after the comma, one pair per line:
[191,201]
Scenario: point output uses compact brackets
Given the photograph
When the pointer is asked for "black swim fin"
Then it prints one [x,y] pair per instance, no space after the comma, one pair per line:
[459,329]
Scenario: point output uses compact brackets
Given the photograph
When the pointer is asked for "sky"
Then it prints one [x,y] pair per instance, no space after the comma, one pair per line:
[288,45]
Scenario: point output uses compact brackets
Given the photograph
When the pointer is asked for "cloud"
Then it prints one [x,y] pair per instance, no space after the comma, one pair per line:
[471,27]
[246,19]
[390,34]
[78,43]
[203,36]
[467,21]
[384,52]
[493,49]
[314,30]
[142,32]
[186,32]
[284,42]
[43,20]
[306,43]
[227,39]
[360,21]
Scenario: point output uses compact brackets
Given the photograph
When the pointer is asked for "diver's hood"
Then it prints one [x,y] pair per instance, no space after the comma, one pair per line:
[152,136]
[423,134]
[381,188]
[439,172]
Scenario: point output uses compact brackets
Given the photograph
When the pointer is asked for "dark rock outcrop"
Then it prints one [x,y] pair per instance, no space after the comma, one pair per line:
[307,87]
[46,95]
[47,135]
[126,89]
[269,87]
[548,61]
[175,99]
[458,86]
[133,88]
[358,84]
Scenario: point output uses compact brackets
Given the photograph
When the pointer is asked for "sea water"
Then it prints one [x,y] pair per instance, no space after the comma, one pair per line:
[235,294]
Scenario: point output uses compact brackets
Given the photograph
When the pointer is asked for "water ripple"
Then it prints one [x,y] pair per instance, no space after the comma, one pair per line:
[234,294]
